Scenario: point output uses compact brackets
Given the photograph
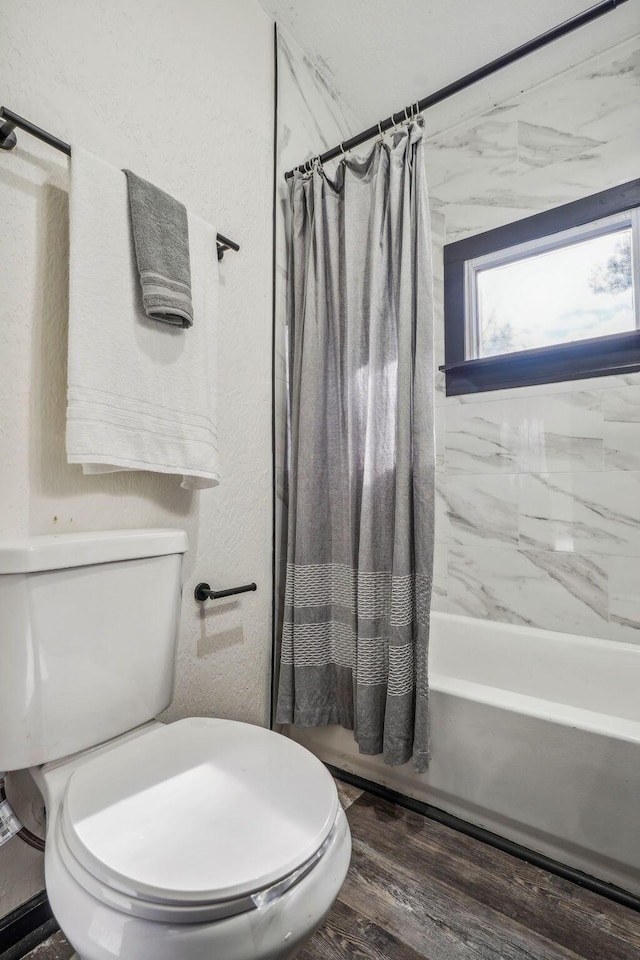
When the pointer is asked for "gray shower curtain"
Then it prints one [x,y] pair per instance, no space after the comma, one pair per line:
[361,470]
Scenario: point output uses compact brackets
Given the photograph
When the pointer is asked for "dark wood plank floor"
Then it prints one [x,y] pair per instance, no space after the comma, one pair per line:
[417,890]
[55,948]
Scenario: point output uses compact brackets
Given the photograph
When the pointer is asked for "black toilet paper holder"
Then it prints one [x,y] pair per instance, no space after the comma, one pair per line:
[204,592]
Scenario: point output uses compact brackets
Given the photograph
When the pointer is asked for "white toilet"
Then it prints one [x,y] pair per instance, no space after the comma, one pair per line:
[202,839]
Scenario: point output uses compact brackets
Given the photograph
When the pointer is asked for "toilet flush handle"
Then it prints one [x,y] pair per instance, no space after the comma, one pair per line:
[204,592]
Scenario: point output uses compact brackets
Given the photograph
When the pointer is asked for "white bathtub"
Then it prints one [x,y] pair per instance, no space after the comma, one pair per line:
[535,736]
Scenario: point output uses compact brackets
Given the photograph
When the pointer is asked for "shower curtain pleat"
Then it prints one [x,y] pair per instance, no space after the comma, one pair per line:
[361,471]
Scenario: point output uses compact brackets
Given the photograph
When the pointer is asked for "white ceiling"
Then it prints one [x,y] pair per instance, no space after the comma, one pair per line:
[379,55]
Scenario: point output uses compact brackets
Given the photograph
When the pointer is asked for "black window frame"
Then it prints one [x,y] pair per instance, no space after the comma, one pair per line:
[596,357]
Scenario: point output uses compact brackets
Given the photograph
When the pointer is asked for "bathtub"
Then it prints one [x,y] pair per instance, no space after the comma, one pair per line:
[535,736]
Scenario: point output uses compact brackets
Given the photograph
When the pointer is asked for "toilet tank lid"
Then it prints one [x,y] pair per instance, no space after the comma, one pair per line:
[57,551]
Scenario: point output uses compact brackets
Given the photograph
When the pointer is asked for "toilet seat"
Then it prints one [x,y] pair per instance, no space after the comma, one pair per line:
[199,819]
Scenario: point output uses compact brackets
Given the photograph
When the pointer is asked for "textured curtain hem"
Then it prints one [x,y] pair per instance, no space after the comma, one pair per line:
[369,748]
[396,757]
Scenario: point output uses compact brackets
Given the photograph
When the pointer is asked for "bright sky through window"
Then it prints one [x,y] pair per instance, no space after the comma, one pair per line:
[569,293]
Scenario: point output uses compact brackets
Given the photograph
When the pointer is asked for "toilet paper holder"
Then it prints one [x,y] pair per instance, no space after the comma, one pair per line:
[204,592]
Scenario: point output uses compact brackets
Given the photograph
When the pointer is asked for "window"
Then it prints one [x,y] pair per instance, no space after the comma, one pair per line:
[552,297]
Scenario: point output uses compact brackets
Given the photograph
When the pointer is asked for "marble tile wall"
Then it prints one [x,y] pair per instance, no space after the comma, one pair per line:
[538,488]
[572,135]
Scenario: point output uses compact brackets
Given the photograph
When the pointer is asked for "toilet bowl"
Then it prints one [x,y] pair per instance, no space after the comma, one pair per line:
[202,839]
[195,840]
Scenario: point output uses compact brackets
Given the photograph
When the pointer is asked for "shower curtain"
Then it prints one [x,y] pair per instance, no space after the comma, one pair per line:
[361,469]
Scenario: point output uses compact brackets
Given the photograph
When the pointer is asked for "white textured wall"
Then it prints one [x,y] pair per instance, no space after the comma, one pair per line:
[181,92]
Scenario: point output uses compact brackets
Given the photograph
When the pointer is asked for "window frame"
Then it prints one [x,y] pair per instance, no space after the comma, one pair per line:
[595,357]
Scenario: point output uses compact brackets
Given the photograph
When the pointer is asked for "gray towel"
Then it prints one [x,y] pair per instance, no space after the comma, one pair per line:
[161,239]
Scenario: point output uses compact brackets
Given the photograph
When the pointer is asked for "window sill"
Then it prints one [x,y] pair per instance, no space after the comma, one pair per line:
[599,357]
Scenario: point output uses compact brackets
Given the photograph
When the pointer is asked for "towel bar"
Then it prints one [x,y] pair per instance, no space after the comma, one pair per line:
[10,120]
[204,592]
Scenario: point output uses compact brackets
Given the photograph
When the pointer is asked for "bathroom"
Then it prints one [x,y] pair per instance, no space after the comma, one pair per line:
[522,835]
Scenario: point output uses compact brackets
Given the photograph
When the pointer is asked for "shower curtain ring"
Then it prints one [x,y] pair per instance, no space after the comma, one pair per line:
[342,150]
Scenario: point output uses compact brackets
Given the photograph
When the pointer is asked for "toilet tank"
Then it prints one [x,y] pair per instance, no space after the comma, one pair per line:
[88,628]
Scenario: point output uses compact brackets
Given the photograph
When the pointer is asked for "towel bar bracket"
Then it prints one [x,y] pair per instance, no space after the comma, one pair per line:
[8,137]
[204,592]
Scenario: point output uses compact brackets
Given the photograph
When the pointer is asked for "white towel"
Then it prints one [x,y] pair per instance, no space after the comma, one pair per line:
[140,394]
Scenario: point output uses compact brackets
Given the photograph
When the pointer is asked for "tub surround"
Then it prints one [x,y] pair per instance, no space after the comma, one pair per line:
[537,515]
[537,519]
[536,509]
[568,136]
[536,485]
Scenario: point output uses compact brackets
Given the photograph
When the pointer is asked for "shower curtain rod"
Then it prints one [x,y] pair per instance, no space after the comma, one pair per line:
[568,26]
[11,120]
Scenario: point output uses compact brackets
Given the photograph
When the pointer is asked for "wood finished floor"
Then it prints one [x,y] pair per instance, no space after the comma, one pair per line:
[417,890]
